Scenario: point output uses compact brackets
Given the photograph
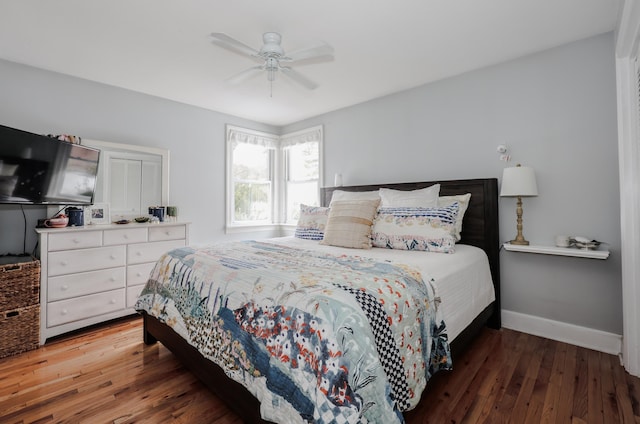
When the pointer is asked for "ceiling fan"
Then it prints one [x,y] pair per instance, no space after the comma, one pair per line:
[272,57]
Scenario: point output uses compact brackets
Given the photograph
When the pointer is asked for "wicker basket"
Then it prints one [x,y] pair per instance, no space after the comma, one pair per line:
[19,285]
[19,330]
[19,307]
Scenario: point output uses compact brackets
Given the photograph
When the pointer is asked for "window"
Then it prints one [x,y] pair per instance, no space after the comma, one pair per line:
[302,176]
[269,176]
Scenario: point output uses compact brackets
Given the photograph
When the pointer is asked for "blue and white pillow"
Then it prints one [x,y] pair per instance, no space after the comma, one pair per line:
[312,222]
[415,228]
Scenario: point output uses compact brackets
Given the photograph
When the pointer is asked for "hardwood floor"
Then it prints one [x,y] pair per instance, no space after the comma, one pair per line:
[107,375]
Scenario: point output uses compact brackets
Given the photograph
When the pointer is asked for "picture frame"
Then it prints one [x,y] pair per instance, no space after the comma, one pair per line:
[97,214]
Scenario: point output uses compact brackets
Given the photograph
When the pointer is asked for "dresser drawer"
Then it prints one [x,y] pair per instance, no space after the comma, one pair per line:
[71,261]
[149,252]
[75,240]
[73,285]
[125,236]
[173,232]
[132,295]
[139,274]
[64,311]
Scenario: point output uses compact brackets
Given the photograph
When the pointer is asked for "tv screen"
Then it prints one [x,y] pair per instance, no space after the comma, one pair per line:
[36,169]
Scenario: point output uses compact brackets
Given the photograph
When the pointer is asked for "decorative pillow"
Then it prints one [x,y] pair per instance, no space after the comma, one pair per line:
[349,223]
[312,221]
[463,201]
[421,198]
[426,229]
[354,195]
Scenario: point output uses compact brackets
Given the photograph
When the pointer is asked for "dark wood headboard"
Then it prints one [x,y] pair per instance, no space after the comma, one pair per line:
[480,224]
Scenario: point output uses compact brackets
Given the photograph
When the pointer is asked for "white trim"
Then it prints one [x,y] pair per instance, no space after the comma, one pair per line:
[628,29]
[251,228]
[627,41]
[601,341]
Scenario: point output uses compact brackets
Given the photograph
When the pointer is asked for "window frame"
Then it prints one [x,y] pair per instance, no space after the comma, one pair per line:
[278,171]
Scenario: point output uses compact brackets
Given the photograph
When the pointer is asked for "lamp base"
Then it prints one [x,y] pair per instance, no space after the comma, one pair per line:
[519,242]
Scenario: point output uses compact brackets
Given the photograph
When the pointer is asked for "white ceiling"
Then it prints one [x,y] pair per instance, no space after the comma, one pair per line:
[162,48]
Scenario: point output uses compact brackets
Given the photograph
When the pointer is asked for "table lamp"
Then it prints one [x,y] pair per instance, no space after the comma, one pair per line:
[519,181]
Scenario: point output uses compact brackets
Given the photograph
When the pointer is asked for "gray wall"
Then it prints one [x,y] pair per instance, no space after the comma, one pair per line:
[556,111]
[45,102]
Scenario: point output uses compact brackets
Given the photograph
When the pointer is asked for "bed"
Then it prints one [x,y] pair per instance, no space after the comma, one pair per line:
[349,389]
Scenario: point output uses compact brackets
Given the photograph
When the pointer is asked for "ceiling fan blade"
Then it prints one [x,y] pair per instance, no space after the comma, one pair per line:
[298,77]
[244,75]
[223,40]
[319,50]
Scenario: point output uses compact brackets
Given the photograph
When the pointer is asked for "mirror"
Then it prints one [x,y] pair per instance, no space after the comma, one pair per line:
[131,178]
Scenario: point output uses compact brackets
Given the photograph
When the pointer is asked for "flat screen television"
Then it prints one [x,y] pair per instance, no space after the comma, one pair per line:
[40,170]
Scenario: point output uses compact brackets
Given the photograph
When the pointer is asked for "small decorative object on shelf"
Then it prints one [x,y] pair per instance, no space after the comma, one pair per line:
[98,213]
[58,221]
[158,212]
[172,213]
[563,241]
[585,243]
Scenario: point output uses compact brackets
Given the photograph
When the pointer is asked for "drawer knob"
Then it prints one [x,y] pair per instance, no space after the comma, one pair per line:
[126,236]
[75,240]
[63,263]
[64,287]
[112,256]
[139,274]
[113,301]
[112,279]
[168,233]
[64,312]
[139,253]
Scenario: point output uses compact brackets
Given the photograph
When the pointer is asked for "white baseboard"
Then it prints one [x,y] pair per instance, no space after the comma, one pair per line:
[563,332]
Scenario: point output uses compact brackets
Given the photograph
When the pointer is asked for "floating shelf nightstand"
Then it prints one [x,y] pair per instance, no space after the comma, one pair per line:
[559,251]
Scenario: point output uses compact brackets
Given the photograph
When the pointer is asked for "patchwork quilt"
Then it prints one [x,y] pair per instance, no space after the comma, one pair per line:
[315,337]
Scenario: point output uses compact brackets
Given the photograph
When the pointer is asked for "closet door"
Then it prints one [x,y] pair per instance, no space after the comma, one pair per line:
[125,184]
[151,185]
[132,183]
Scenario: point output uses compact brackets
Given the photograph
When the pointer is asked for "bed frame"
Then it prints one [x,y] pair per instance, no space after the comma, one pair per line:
[479,228]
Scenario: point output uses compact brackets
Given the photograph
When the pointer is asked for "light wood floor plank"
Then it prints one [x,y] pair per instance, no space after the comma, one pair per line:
[108,375]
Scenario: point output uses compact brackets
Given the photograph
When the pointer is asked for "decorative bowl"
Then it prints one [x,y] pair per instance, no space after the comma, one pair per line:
[57,222]
[585,243]
[142,219]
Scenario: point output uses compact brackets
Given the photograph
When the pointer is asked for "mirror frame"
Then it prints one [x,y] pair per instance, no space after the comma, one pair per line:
[109,146]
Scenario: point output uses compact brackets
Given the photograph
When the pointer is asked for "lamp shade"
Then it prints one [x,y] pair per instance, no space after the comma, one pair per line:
[518,181]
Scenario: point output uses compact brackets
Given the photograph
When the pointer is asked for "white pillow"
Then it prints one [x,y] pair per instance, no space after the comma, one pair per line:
[463,202]
[421,198]
[349,223]
[339,195]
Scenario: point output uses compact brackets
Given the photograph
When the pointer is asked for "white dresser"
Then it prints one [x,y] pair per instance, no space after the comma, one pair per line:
[95,273]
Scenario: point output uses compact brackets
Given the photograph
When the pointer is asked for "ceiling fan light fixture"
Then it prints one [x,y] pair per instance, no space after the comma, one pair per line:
[271,47]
